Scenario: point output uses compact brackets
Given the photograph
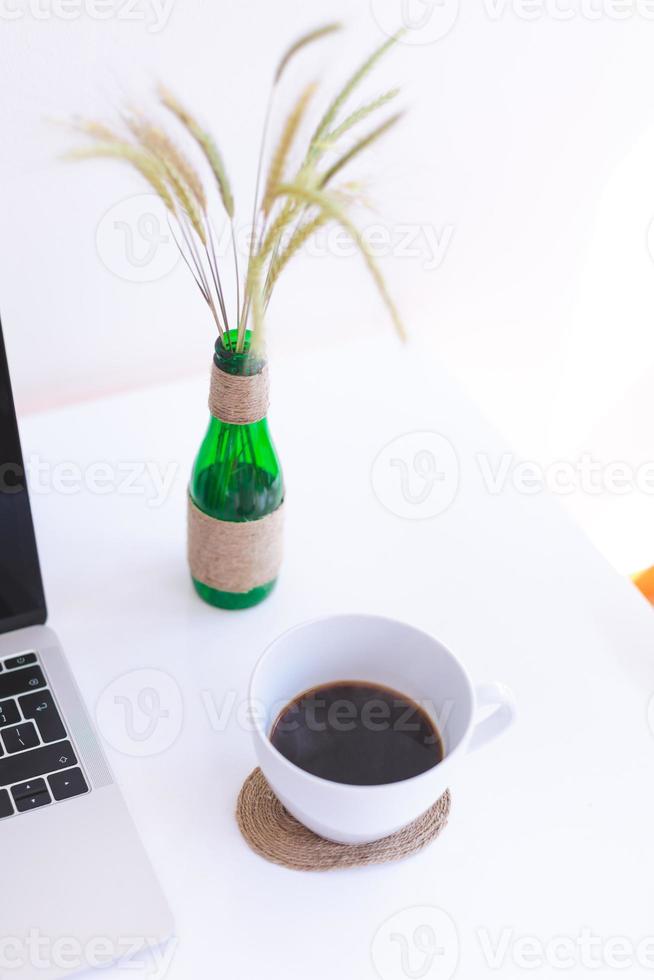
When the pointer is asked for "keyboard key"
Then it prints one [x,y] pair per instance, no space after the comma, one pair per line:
[6,809]
[32,802]
[67,784]
[41,708]
[9,713]
[28,789]
[22,661]
[14,682]
[27,765]
[20,737]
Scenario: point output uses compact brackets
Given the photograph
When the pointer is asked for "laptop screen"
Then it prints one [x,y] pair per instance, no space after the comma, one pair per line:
[22,602]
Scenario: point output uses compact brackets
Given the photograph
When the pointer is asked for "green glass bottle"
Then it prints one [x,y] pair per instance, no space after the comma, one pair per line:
[236,475]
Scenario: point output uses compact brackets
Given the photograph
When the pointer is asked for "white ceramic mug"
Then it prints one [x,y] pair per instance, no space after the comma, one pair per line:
[395,655]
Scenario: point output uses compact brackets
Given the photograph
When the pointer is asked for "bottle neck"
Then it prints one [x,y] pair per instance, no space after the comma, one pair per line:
[238,393]
[230,361]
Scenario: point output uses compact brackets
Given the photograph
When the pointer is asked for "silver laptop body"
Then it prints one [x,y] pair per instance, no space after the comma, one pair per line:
[78,890]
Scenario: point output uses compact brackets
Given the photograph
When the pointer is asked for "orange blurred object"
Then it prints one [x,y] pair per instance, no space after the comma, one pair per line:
[645,582]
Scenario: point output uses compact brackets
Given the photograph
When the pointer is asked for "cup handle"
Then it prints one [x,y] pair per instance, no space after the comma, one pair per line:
[497,696]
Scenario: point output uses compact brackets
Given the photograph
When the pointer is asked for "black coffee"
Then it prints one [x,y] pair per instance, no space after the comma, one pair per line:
[358,733]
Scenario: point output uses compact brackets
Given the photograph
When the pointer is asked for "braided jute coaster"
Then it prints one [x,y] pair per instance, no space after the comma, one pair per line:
[275,835]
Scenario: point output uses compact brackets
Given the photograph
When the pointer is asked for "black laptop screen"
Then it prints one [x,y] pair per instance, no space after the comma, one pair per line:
[22,602]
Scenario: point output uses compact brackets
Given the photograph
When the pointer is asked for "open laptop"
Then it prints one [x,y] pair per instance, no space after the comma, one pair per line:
[77,888]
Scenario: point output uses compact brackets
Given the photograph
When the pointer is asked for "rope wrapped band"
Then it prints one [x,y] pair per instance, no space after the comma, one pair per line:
[234,556]
[239,399]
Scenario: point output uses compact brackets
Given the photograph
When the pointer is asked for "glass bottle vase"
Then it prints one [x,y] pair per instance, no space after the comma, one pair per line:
[236,479]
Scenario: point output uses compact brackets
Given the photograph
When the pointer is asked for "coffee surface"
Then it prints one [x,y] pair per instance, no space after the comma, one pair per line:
[357,733]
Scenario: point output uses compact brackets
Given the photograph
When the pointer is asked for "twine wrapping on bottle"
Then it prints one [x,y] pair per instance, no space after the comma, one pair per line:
[238,398]
[234,556]
[275,835]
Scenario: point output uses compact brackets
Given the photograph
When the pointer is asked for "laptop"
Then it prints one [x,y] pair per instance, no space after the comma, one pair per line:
[77,889]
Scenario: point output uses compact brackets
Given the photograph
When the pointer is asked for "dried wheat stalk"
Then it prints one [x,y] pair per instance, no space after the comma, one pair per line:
[288,213]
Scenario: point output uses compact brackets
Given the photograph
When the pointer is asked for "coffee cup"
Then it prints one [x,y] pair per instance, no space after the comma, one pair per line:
[384,652]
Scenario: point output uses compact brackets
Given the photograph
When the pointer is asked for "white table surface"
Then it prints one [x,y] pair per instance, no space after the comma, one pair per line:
[551,831]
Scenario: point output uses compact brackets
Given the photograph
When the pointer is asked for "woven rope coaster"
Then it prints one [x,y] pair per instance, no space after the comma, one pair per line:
[275,835]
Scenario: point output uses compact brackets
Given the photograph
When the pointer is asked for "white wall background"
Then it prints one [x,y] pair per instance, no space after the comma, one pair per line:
[528,153]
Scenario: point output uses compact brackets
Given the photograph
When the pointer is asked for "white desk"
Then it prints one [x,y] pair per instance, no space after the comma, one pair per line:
[552,828]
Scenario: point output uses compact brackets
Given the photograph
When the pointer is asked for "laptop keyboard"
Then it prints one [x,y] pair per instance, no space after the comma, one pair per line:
[38,765]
